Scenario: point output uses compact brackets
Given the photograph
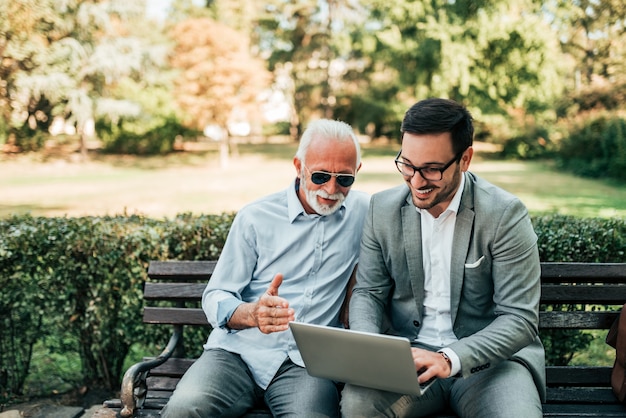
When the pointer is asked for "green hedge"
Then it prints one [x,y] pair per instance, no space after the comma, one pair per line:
[81,279]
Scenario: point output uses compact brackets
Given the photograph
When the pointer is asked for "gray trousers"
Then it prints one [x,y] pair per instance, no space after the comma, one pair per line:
[506,391]
[219,384]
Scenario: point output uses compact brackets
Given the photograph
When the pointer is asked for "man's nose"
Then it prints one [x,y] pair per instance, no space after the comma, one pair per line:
[417,180]
[332,186]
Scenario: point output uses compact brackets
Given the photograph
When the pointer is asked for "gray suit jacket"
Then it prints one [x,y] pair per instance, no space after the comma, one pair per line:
[494,277]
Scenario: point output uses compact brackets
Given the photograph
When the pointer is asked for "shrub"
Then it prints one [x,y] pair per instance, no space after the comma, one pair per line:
[530,145]
[597,148]
[81,280]
[141,137]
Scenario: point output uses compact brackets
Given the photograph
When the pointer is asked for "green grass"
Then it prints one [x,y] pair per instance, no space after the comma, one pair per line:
[543,188]
[194,182]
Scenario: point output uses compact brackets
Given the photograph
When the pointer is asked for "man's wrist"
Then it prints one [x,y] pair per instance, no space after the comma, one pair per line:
[452,359]
[447,359]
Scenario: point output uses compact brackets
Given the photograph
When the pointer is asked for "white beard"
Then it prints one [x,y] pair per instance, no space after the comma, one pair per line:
[311,198]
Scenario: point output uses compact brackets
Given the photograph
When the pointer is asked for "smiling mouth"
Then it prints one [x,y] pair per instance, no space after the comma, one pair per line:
[423,193]
[327,199]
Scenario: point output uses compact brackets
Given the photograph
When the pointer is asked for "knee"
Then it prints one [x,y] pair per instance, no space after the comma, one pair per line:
[356,403]
[182,404]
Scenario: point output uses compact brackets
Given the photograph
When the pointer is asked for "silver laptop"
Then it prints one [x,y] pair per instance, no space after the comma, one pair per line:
[361,358]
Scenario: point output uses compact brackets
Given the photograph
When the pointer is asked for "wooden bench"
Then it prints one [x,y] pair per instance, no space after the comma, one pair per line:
[572,390]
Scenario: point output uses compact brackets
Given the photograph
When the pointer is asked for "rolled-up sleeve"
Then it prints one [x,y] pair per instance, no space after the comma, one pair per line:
[233,272]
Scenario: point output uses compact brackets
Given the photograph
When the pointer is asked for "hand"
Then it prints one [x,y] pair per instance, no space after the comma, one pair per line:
[272,313]
[429,364]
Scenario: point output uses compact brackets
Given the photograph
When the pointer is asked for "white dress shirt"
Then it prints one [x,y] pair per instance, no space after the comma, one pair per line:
[437,240]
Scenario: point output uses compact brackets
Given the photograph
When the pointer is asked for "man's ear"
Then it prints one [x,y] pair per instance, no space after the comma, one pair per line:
[298,164]
[466,158]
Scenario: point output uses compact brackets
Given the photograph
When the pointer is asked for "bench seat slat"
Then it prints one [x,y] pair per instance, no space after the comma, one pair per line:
[581,410]
[581,395]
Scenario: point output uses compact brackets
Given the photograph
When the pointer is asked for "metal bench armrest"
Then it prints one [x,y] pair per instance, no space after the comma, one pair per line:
[134,389]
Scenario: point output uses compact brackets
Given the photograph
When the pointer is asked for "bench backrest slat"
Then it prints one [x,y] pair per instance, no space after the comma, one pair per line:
[576,320]
[173,291]
[605,294]
[174,316]
[578,375]
[582,272]
[174,367]
[181,270]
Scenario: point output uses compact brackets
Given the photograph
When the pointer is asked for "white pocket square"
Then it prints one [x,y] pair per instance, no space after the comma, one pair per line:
[475,264]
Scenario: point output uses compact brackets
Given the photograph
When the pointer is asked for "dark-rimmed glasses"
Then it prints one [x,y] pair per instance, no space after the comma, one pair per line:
[321,177]
[427,173]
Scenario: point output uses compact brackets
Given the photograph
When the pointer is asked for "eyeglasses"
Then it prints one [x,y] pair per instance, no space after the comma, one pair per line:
[427,173]
[321,177]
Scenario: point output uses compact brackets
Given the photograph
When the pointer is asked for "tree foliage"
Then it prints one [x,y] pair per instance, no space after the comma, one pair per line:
[218,74]
[521,66]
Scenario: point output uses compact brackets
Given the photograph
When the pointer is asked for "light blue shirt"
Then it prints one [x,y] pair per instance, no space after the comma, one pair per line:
[316,254]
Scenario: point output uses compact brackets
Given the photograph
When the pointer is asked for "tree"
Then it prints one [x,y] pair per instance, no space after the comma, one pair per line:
[491,55]
[67,59]
[302,40]
[22,46]
[593,32]
[218,74]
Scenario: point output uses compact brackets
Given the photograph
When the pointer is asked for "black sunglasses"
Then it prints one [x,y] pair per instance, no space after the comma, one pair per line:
[321,177]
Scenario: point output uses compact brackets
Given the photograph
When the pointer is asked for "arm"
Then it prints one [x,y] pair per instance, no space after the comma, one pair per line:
[344,315]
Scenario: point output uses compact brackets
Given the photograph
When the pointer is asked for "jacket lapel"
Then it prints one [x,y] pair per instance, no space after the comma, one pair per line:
[462,237]
[412,239]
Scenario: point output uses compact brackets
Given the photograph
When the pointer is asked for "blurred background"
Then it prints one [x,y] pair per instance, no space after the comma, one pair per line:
[544,79]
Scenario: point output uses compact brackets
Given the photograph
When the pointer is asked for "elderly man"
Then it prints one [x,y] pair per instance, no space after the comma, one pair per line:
[290,254]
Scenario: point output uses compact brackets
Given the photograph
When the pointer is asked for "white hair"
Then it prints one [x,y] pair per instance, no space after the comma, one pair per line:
[327,128]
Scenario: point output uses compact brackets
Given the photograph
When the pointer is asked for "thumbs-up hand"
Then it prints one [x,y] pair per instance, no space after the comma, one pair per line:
[272,313]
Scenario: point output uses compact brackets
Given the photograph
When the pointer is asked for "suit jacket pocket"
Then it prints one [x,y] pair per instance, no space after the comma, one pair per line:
[475,264]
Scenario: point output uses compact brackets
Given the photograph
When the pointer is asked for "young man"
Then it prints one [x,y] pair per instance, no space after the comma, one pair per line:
[289,255]
[450,262]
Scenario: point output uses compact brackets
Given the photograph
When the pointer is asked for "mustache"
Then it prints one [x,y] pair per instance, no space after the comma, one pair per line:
[334,196]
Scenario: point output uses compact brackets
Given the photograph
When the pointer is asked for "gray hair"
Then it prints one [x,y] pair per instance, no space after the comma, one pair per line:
[326,128]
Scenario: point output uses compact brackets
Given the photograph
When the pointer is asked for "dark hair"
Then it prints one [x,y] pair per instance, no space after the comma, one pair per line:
[435,116]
